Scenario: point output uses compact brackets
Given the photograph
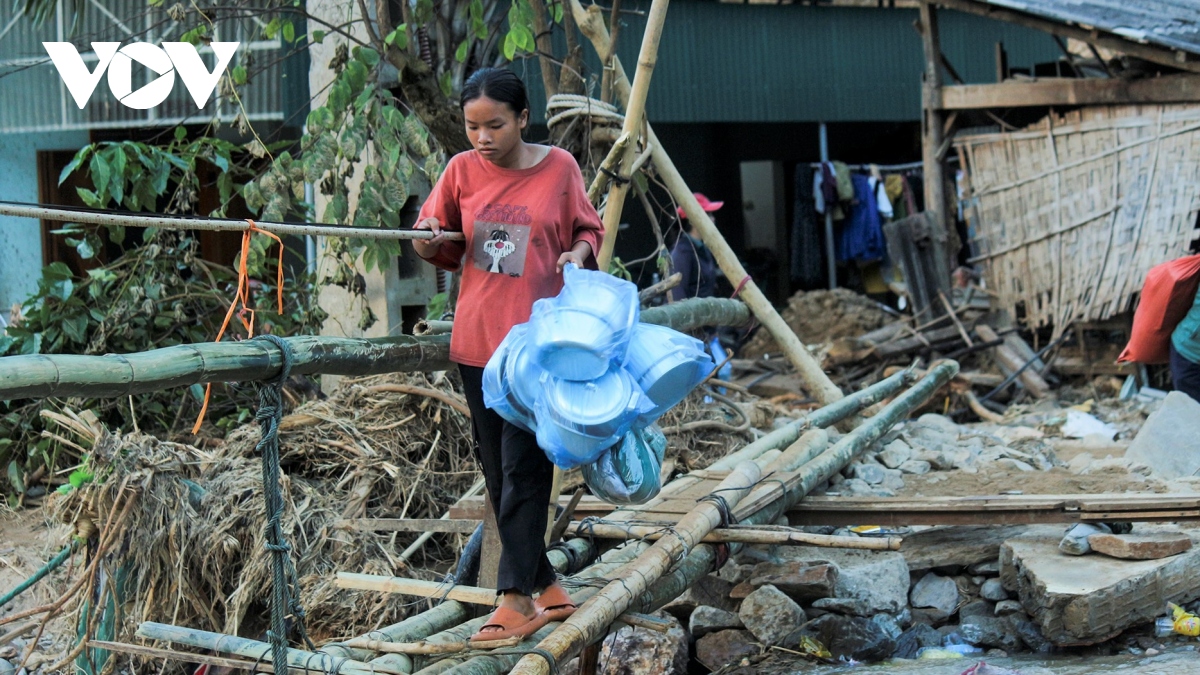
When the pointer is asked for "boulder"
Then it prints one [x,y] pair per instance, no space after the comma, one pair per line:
[916,467]
[1087,600]
[705,620]
[988,631]
[871,474]
[633,652]
[879,578]
[935,592]
[988,568]
[993,590]
[849,606]
[976,608]
[736,574]
[770,614]
[1007,607]
[709,590]
[1149,546]
[895,454]
[723,648]
[964,545]
[853,637]
[1029,633]
[799,580]
[912,640]
[1169,441]
[889,624]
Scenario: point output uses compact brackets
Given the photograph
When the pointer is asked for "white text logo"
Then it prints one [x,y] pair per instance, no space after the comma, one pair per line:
[171,58]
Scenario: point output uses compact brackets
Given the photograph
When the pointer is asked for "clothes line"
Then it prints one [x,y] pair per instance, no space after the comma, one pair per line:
[92,217]
[884,167]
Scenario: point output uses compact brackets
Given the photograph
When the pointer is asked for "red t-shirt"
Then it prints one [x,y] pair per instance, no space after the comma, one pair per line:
[517,223]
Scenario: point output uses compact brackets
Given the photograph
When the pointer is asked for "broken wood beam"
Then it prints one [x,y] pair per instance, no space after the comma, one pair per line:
[1064,91]
[650,292]
[618,530]
[1010,359]
[995,509]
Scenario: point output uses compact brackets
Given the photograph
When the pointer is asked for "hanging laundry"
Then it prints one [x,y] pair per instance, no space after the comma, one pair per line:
[881,198]
[861,239]
[845,186]
[894,186]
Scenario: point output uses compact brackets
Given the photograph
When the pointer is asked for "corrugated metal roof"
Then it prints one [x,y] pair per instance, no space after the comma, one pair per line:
[720,62]
[1169,23]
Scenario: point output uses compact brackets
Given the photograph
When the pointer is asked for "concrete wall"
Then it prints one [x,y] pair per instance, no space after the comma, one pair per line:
[21,238]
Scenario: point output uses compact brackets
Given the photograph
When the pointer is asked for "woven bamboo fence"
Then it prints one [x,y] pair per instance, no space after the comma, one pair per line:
[1070,213]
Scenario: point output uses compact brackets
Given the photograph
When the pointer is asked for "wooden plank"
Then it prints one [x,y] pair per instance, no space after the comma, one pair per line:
[437,525]
[471,508]
[1069,91]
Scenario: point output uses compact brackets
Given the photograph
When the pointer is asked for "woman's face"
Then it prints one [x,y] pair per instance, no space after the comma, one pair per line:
[494,129]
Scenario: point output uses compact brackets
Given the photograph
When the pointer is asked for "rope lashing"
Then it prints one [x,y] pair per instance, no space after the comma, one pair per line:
[572,105]
[285,588]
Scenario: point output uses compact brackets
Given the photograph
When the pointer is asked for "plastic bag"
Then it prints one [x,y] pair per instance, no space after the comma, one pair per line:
[577,421]
[628,473]
[667,365]
[579,333]
[498,392]
[1167,295]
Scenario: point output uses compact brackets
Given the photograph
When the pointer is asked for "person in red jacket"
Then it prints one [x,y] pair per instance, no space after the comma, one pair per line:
[525,213]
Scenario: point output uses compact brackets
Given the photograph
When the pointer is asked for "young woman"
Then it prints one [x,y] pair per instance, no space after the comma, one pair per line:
[525,213]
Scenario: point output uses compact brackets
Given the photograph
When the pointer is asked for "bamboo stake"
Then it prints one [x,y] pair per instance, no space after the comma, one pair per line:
[188,657]
[810,445]
[231,644]
[114,375]
[635,113]
[65,214]
[819,385]
[423,647]
[594,616]
[617,530]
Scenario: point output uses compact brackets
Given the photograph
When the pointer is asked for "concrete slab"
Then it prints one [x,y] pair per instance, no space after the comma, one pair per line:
[1089,599]
[964,545]
[1169,441]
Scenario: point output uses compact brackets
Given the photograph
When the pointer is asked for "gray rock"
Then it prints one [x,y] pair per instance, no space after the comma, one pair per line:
[1029,634]
[942,422]
[990,568]
[1016,464]
[799,580]
[939,460]
[1007,607]
[916,467]
[978,581]
[727,647]
[986,631]
[770,614]
[993,590]
[710,590]
[1075,542]
[889,625]
[936,592]
[893,479]
[736,574]
[871,474]
[878,578]
[895,453]
[929,615]
[633,652]
[847,606]
[707,620]
[914,639]
[1170,429]
[7,668]
[855,487]
[853,637]
[976,608]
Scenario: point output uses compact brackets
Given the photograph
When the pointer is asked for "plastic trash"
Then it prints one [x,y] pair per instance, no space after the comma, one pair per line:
[1164,626]
[1183,621]
[1080,424]
[958,642]
[498,391]
[928,653]
[576,335]
[578,421]
[628,473]
[667,365]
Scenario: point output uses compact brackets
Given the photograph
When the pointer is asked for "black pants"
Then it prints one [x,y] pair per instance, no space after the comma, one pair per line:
[1185,375]
[518,477]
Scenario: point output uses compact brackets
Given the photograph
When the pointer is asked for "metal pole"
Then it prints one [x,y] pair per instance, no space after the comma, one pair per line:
[830,259]
[310,242]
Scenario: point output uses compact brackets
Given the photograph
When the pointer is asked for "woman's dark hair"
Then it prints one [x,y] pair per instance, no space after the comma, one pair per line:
[498,84]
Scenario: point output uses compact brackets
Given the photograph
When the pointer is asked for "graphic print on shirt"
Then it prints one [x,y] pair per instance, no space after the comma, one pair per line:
[502,234]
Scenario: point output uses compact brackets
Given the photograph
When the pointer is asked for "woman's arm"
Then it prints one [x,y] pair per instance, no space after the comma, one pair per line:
[578,254]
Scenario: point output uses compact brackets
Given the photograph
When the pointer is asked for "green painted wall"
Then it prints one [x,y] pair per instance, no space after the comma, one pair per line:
[797,63]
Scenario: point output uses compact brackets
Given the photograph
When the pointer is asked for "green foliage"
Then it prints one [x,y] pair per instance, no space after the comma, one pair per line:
[158,294]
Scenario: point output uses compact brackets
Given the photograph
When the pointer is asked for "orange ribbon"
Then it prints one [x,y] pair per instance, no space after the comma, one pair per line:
[243,296]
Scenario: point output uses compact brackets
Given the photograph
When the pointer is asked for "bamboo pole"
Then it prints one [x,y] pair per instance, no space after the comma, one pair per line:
[819,385]
[253,649]
[386,647]
[187,657]
[113,375]
[66,214]
[635,114]
[617,530]
[592,619]
[808,446]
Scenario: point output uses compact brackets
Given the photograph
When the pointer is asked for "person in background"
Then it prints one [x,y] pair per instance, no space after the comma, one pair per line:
[692,259]
[525,213]
[1185,353]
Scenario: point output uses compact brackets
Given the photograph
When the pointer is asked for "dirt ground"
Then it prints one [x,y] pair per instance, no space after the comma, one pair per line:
[818,317]
[26,543]
[996,480]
